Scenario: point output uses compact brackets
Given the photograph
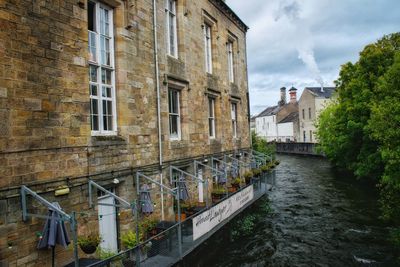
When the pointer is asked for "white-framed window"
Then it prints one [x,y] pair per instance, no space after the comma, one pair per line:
[211,117]
[101,69]
[172,36]
[234,119]
[231,70]
[208,48]
[174,114]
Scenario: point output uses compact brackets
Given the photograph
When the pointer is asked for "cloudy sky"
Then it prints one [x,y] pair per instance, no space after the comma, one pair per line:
[294,42]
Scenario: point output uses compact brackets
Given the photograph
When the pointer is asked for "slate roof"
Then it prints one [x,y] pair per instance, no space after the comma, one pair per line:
[269,111]
[327,93]
[292,117]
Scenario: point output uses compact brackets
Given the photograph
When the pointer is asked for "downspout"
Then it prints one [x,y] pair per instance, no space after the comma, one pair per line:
[157,73]
[248,90]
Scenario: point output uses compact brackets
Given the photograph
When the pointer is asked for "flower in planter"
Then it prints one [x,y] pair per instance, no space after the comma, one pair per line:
[219,190]
[89,243]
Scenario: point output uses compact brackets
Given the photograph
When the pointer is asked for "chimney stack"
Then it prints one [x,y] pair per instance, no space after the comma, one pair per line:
[283,96]
[293,95]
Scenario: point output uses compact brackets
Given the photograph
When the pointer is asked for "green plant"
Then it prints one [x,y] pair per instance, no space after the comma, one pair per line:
[265,168]
[129,239]
[91,240]
[219,190]
[148,224]
[256,172]
[248,175]
[236,181]
[104,254]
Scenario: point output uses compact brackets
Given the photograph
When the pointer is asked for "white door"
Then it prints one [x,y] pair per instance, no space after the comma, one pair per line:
[107,224]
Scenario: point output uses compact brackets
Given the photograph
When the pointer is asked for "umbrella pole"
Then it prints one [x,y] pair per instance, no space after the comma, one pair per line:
[75,238]
[53,261]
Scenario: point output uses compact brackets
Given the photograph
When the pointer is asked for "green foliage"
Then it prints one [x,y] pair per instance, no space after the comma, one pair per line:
[104,254]
[148,224]
[91,240]
[236,181]
[129,239]
[360,131]
[219,190]
[261,145]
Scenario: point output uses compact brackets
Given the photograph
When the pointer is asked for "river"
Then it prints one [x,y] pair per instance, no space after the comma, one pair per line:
[312,217]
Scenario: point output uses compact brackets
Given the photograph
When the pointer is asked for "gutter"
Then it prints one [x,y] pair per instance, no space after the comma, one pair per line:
[157,74]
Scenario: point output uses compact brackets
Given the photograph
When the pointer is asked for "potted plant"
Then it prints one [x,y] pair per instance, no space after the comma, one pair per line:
[265,168]
[256,172]
[247,176]
[218,192]
[185,210]
[89,243]
[148,227]
[236,183]
[130,241]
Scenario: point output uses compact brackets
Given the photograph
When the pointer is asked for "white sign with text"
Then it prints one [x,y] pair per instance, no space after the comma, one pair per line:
[209,219]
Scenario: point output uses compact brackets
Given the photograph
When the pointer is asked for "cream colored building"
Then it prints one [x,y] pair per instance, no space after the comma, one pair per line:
[312,101]
[101,89]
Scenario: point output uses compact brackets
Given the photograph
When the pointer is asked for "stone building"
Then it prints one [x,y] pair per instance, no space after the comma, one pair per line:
[312,101]
[95,90]
[280,122]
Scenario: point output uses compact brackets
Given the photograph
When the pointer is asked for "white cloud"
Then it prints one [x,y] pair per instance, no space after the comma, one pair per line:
[337,30]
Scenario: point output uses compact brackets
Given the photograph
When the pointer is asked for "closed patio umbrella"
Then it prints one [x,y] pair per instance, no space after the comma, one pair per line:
[146,205]
[183,192]
[235,169]
[54,232]
[221,175]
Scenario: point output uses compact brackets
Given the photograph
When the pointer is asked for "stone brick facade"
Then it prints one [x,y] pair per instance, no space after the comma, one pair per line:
[45,130]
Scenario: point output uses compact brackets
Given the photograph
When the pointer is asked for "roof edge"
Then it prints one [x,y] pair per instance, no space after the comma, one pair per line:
[227,11]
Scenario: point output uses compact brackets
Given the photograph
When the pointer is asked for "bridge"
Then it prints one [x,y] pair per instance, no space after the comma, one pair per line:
[298,148]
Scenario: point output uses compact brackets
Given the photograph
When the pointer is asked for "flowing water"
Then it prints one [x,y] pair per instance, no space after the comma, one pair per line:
[312,217]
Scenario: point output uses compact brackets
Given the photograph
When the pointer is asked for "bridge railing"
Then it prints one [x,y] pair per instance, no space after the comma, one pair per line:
[298,148]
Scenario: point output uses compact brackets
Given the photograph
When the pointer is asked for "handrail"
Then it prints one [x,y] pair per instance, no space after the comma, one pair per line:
[209,167]
[184,172]
[126,205]
[172,191]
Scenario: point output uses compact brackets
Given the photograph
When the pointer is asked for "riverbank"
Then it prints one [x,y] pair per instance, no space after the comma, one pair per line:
[316,219]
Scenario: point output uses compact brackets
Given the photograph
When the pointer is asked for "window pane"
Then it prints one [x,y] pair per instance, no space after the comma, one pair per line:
[104,22]
[172,34]
[93,89]
[94,110]
[92,46]
[105,50]
[173,125]
[211,126]
[91,16]
[93,73]
[106,76]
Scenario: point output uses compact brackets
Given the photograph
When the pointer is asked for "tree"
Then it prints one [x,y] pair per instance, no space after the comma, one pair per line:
[359,132]
[261,145]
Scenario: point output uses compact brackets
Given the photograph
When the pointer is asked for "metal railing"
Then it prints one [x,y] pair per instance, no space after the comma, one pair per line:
[175,240]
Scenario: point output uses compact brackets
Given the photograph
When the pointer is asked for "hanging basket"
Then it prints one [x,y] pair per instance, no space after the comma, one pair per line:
[88,249]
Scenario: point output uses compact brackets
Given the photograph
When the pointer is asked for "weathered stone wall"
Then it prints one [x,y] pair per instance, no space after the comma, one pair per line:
[45,135]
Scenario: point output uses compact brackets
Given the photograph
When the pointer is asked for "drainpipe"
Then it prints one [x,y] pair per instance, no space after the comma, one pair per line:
[248,91]
[157,73]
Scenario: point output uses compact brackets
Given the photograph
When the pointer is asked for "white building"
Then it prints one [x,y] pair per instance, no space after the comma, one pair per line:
[280,123]
[288,128]
[266,124]
[312,101]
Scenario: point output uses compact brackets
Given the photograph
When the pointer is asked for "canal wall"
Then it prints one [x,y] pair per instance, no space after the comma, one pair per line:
[298,149]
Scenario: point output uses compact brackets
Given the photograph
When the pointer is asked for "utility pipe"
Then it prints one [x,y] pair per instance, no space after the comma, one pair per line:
[157,74]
